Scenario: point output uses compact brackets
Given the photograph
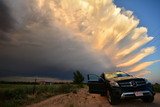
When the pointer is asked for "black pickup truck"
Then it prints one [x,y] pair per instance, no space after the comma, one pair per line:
[120,85]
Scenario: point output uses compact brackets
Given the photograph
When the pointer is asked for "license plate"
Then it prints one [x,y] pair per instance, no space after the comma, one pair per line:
[138,94]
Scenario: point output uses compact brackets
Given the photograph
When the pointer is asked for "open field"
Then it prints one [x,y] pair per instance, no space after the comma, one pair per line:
[13,95]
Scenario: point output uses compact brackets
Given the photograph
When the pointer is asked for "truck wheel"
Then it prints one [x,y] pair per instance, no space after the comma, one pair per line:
[112,100]
[148,99]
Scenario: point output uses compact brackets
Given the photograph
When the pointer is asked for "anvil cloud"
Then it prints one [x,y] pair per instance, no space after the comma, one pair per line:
[57,37]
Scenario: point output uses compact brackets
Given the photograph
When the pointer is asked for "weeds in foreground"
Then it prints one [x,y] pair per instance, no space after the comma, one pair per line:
[12,95]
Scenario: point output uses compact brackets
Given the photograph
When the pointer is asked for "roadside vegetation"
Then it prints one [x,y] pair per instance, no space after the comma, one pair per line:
[13,95]
[156,87]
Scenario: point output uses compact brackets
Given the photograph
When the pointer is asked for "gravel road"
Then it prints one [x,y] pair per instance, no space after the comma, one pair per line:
[84,99]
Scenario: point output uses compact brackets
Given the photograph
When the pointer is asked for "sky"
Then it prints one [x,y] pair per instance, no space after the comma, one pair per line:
[148,13]
[55,38]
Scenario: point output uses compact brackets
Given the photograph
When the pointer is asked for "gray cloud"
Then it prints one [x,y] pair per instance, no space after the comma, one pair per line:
[6,21]
[55,54]
[40,47]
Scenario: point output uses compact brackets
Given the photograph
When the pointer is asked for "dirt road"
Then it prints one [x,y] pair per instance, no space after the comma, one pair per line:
[84,99]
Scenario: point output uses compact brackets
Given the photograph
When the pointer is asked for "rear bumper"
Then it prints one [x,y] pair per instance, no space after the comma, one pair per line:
[132,94]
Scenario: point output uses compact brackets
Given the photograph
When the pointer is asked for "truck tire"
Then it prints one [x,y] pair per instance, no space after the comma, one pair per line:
[148,99]
[111,99]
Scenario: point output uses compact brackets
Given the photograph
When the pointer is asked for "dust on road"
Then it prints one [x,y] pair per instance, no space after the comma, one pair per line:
[83,99]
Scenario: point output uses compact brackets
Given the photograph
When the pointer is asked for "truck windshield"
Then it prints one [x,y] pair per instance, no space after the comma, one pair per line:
[116,75]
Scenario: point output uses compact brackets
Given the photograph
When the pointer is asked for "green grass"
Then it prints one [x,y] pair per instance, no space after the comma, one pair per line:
[13,95]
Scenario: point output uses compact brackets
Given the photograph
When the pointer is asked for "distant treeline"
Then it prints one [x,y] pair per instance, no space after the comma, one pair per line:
[6,82]
[31,83]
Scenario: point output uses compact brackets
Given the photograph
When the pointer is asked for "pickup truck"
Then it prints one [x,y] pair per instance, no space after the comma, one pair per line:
[120,85]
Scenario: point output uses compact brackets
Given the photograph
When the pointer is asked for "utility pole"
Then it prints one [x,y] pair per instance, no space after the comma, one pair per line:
[34,86]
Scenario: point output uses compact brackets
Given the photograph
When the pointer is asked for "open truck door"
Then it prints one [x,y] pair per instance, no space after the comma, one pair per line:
[96,84]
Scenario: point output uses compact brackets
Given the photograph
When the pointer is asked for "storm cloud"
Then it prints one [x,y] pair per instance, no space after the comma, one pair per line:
[41,47]
[6,21]
[56,37]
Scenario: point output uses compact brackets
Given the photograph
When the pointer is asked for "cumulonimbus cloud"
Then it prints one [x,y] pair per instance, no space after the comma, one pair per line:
[65,35]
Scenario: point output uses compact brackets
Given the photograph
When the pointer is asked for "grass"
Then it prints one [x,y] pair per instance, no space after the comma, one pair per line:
[13,95]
